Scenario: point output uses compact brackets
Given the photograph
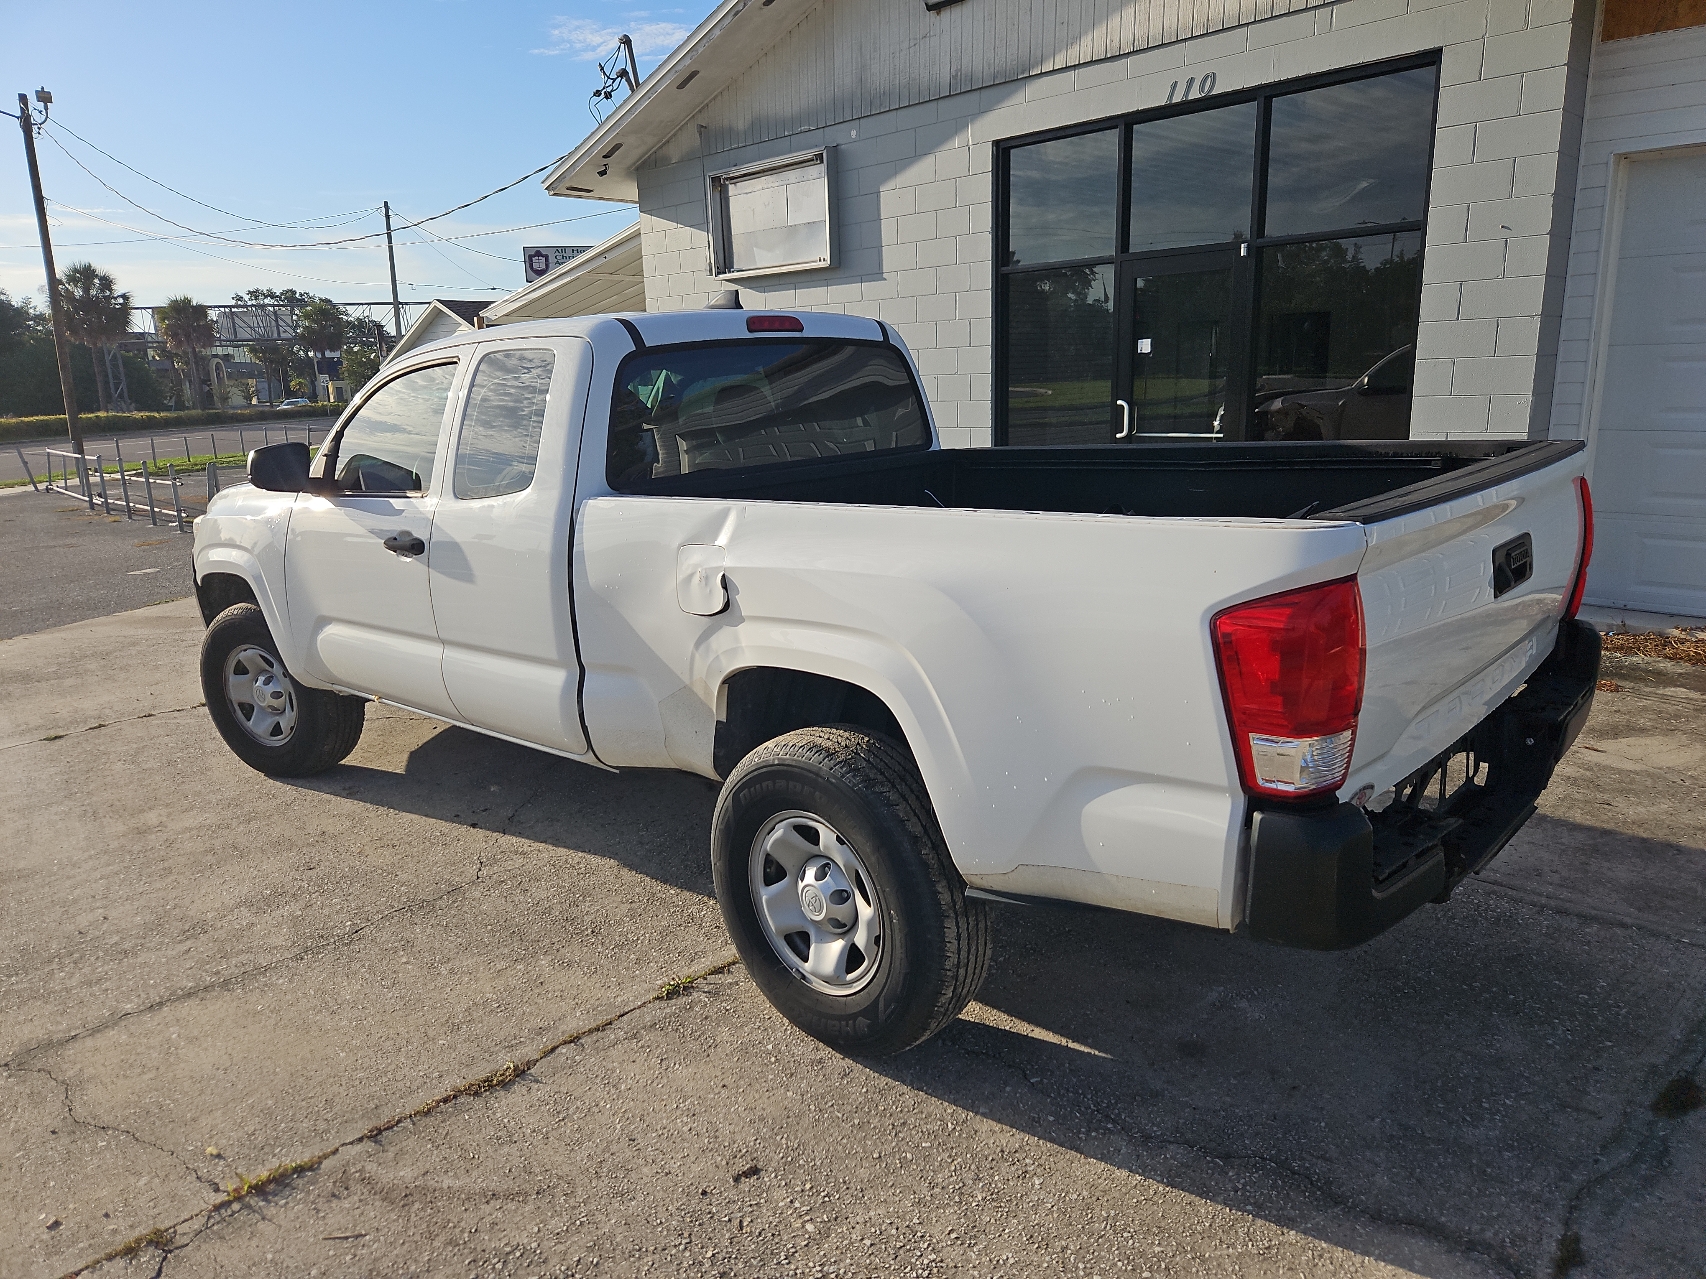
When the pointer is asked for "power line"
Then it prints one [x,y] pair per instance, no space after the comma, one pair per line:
[500,190]
[205,235]
[258,244]
[443,239]
[60,124]
[441,253]
[450,240]
[253,266]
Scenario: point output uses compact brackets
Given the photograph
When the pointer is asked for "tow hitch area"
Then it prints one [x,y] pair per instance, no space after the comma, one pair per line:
[1333,877]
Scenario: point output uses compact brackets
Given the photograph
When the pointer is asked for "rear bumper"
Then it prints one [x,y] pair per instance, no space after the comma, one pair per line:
[1332,877]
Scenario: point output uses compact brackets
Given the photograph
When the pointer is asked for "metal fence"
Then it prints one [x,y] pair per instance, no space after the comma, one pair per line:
[132,487]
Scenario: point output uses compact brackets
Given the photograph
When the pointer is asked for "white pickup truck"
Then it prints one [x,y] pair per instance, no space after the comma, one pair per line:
[1289,689]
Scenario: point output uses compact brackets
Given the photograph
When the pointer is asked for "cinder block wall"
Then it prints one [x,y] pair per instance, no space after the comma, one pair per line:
[913,200]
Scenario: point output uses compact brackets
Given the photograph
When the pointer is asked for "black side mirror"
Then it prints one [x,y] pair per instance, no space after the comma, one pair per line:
[280,468]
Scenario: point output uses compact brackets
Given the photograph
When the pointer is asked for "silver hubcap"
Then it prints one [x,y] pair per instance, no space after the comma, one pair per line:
[816,903]
[261,695]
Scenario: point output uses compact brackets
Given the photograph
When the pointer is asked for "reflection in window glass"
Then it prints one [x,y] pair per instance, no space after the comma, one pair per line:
[499,445]
[1180,334]
[1190,178]
[683,409]
[1060,355]
[1063,198]
[389,445]
[1331,312]
[1351,155]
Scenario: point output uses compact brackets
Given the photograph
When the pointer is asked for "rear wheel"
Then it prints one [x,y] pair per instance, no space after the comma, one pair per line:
[838,890]
[272,723]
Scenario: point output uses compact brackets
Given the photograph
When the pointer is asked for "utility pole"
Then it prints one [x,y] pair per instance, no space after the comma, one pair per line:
[391,253]
[27,122]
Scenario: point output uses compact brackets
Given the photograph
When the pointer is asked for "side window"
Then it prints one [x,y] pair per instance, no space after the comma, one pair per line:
[389,445]
[499,446]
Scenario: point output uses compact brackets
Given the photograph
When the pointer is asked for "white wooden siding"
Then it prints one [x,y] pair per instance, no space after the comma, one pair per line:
[847,60]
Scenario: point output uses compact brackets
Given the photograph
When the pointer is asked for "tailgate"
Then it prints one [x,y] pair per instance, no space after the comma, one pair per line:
[1453,624]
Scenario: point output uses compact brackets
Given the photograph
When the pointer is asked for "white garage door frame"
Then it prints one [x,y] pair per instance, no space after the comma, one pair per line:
[1610,252]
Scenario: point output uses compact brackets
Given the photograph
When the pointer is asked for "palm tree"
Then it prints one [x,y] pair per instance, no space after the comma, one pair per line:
[188,329]
[96,315]
[322,327]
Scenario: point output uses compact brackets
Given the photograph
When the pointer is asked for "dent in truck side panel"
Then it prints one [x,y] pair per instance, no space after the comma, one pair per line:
[1060,717]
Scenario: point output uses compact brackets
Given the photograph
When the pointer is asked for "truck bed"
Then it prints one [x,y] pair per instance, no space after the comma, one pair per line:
[1365,482]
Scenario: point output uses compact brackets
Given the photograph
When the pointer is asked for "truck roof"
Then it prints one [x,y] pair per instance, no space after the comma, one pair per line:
[669,327]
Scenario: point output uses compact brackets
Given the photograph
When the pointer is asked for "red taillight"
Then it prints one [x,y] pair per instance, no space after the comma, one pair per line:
[1581,582]
[1291,667]
[774,324]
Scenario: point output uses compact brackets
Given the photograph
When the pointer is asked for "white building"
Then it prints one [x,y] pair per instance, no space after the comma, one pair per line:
[1098,221]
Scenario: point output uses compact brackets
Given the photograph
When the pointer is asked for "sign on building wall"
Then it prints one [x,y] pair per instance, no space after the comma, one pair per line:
[538,261]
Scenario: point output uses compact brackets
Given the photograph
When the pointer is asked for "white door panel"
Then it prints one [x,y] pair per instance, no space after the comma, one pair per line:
[362,614]
[1649,462]
[500,569]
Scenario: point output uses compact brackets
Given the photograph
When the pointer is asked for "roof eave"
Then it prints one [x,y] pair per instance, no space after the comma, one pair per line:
[689,89]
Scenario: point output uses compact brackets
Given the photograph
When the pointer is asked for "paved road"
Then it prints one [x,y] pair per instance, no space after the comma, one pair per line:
[167,445]
[207,974]
[60,563]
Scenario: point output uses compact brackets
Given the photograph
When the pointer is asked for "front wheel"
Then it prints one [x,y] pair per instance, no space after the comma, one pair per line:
[272,723]
[839,893]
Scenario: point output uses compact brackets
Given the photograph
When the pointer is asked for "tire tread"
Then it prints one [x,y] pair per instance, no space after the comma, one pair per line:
[870,764]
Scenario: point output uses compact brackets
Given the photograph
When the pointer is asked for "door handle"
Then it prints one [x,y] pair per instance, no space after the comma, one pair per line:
[1125,420]
[405,543]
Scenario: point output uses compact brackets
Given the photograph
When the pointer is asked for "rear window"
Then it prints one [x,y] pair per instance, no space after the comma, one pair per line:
[712,406]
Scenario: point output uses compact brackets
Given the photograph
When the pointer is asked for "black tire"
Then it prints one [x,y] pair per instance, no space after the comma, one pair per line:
[326,725]
[935,944]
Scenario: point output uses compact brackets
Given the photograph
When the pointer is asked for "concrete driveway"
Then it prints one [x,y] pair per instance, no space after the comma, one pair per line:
[209,976]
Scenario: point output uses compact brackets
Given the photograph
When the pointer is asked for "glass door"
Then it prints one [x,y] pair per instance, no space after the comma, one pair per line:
[1180,362]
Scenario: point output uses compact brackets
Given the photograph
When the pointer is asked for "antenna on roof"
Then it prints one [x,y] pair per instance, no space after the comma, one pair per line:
[615,72]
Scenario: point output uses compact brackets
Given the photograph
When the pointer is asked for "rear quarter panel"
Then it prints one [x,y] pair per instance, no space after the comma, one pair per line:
[1052,672]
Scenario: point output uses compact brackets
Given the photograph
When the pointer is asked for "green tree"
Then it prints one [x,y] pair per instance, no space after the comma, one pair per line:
[146,394]
[97,314]
[18,321]
[322,326]
[188,329]
[360,363]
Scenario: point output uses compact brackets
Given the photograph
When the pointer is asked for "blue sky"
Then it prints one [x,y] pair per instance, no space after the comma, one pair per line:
[308,113]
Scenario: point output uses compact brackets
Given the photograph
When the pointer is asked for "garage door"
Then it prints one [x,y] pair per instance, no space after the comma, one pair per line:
[1649,468]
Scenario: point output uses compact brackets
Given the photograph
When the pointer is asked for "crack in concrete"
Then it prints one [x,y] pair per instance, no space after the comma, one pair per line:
[113,723]
[15,1062]
[71,1114]
[1561,906]
[1426,1229]
[163,1239]
[1641,1139]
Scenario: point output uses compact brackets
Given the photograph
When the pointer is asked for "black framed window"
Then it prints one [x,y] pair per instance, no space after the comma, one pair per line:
[1242,266]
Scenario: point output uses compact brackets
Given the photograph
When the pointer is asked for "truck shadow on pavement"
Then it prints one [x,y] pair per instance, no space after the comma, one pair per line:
[1436,1099]
[1442,1098]
[652,821]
